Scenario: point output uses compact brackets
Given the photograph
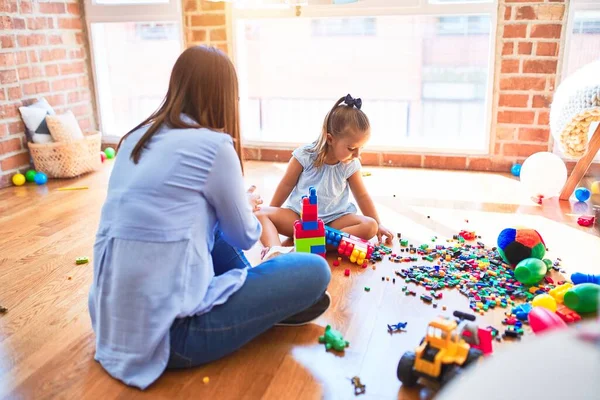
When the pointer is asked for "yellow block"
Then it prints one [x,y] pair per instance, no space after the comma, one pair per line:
[559,292]
[544,300]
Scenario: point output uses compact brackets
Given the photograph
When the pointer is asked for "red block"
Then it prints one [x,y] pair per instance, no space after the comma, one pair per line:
[566,314]
[300,233]
[309,212]
[485,340]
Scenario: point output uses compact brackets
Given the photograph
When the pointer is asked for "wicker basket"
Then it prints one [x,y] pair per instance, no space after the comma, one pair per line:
[67,159]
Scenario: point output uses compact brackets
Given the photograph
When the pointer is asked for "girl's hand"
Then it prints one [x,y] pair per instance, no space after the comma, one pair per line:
[254,199]
[383,231]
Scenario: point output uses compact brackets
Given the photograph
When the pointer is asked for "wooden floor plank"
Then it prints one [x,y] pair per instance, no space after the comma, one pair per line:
[47,345]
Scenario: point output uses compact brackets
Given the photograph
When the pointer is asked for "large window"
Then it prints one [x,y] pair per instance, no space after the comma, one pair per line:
[583,37]
[423,69]
[134,44]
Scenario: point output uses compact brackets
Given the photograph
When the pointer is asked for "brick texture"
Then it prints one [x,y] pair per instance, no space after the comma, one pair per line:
[205,23]
[524,95]
[43,53]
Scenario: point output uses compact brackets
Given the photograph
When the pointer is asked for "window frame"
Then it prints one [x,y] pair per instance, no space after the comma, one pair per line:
[170,11]
[574,7]
[374,8]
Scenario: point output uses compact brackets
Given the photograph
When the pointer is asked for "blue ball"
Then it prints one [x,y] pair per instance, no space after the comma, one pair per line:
[582,194]
[40,178]
[516,170]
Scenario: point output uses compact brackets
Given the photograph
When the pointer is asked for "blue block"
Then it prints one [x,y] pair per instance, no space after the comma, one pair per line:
[332,238]
[317,249]
[329,229]
[310,225]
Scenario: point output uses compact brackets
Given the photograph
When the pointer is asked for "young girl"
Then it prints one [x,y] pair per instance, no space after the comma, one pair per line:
[171,287]
[332,166]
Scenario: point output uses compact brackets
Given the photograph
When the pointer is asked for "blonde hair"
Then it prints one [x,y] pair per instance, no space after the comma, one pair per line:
[340,121]
[204,86]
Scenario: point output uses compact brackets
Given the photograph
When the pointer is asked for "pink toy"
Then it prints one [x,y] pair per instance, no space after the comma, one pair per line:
[347,272]
[542,319]
[586,220]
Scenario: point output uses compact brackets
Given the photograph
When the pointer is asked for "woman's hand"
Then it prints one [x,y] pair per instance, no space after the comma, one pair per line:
[383,231]
[254,199]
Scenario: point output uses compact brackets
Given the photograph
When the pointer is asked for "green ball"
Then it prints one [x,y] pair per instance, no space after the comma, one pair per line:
[30,175]
[530,271]
[110,152]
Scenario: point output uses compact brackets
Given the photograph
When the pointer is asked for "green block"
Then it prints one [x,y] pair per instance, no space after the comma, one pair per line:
[404,243]
[304,245]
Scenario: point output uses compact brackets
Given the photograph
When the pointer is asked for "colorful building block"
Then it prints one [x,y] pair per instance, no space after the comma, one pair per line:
[309,212]
[300,233]
[566,314]
[307,245]
[309,231]
[310,225]
[355,248]
[559,292]
[318,249]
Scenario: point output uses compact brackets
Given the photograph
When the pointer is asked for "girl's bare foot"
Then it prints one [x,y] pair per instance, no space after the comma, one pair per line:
[270,252]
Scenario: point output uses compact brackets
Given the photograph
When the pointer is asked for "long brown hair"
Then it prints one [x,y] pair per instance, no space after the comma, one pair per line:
[203,86]
[340,121]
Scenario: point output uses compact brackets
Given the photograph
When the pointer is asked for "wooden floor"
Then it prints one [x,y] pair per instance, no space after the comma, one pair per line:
[47,345]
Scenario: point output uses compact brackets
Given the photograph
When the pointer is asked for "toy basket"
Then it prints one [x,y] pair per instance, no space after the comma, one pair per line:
[576,105]
[67,159]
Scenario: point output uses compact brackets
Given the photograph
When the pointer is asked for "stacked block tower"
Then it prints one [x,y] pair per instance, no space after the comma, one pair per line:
[358,250]
[309,231]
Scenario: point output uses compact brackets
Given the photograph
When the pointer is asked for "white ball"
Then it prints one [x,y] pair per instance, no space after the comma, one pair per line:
[543,174]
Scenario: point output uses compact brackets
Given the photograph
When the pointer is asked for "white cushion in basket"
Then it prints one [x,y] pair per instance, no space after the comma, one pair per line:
[64,127]
[34,118]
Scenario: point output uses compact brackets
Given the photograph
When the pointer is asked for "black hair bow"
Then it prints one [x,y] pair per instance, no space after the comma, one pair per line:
[353,102]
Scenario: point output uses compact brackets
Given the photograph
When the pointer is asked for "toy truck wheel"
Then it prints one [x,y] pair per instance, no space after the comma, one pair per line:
[473,356]
[449,373]
[406,373]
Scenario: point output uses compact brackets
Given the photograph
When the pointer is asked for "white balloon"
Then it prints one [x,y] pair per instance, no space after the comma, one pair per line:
[543,174]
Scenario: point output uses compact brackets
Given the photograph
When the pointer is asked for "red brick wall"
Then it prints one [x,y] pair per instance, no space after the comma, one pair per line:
[43,53]
[528,49]
[205,23]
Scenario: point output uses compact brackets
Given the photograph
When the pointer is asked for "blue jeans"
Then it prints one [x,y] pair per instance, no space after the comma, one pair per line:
[273,291]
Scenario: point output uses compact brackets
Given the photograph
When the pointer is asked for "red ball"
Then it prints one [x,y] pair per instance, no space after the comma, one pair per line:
[102,156]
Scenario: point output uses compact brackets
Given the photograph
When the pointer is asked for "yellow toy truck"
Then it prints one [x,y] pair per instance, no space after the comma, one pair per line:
[442,354]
